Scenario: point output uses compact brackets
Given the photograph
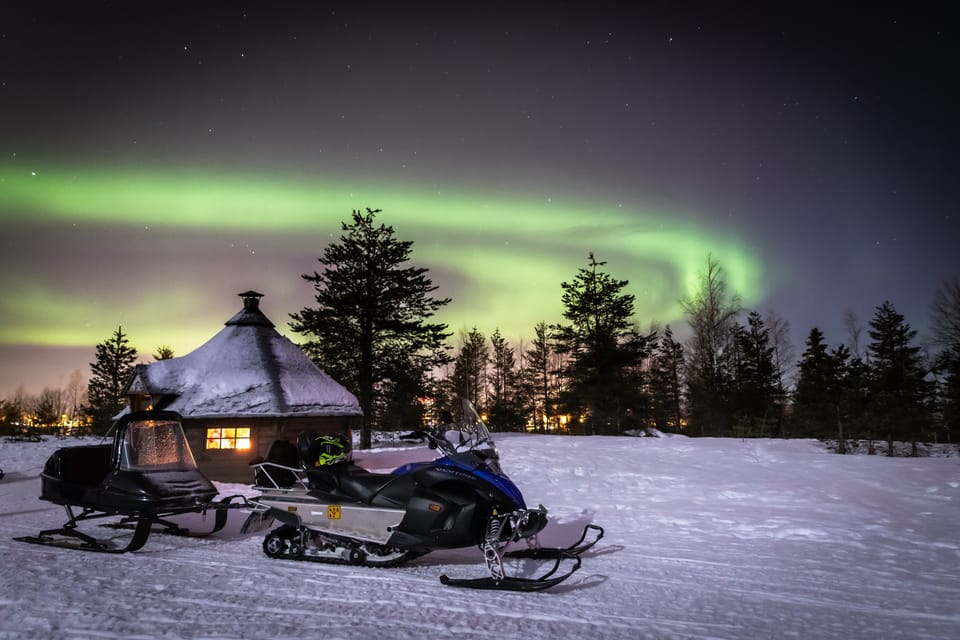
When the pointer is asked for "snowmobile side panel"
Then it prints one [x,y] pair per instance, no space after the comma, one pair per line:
[480,477]
[442,519]
[372,524]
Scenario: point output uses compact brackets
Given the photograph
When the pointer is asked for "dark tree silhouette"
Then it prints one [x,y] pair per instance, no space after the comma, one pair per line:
[470,368]
[603,380]
[898,391]
[945,323]
[666,383]
[818,399]
[370,326]
[506,403]
[711,311]
[758,390]
[110,374]
[540,377]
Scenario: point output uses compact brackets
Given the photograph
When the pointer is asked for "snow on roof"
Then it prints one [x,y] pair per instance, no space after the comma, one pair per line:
[246,370]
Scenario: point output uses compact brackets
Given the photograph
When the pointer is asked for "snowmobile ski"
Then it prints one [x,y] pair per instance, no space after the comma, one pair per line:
[508,583]
[69,537]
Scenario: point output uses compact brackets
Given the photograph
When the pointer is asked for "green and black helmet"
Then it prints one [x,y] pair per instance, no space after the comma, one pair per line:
[329,449]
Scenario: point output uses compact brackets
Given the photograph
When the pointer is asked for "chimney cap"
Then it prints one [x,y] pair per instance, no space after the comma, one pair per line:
[251,313]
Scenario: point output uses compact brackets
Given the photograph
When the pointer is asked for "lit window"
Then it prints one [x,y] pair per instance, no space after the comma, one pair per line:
[224,438]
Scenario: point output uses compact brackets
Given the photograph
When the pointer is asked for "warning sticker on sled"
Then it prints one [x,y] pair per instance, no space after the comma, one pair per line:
[333,512]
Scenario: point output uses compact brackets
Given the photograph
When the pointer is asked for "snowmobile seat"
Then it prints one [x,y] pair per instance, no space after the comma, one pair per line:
[367,486]
[354,482]
[329,470]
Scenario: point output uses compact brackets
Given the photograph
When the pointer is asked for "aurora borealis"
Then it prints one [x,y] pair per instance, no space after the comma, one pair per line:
[155,163]
[466,236]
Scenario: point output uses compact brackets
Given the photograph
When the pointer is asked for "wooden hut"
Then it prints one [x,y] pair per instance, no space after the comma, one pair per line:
[244,388]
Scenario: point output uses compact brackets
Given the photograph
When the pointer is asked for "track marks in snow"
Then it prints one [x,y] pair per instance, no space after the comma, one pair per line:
[704,539]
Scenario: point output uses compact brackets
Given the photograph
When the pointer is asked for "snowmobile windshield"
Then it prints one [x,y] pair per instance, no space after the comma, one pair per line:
[467,433]
[149,444]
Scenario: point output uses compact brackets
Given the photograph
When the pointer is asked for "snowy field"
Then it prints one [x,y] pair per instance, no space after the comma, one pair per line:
[706,538]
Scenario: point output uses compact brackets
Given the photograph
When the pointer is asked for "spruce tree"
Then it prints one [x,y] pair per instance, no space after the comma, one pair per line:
[666,383]
[398,403]
[164,352]
[603,374]
[505,407]
[817,395]
[370,323]
[945,324]
[470,368]
[758,388]
[110,374]
[540,377]
[898,391]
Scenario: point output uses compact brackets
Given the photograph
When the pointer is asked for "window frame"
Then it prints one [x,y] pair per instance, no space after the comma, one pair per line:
[228,442]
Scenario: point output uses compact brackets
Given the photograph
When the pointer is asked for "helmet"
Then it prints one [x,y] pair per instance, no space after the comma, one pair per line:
[327,449]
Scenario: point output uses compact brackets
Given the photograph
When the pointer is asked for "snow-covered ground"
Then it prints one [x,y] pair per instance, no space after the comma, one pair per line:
[706,538]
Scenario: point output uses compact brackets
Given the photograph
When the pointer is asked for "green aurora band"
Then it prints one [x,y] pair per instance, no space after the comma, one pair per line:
[512,251]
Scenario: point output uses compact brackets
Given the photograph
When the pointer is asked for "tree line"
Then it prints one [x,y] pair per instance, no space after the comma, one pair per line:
[372,328]
[597,372]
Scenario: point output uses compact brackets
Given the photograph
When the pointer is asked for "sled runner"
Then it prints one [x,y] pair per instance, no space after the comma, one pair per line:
[332,510]
[147,475]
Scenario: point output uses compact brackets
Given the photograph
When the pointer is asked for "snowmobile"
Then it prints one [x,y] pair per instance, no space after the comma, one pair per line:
[147,475]
[332,510]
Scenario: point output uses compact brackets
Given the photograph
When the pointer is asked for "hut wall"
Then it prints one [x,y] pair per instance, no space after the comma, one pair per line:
[233,464]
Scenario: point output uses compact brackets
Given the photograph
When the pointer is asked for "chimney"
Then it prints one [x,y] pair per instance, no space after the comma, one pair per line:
[250,315]
[251,300]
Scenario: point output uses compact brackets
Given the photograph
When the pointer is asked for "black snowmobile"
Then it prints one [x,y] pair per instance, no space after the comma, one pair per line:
[332,510]
[148,474]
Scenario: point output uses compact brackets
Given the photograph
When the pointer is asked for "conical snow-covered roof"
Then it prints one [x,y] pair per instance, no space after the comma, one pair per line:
[246,370]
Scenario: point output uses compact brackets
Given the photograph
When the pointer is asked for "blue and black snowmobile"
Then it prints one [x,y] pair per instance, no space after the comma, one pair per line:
[332,510]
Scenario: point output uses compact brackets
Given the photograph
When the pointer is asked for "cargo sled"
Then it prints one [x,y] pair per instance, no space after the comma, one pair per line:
[147,475]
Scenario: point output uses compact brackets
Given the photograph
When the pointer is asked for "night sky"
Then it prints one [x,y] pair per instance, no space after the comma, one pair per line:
[155,161]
